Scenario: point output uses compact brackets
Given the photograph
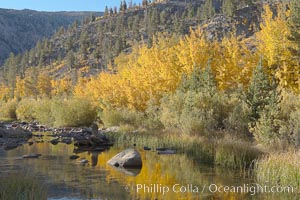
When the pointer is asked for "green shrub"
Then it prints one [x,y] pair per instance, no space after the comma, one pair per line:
[171,109]
[238,119]
[21,186]
[197,107]
[123,116]
[294,127]
[266,130]
[43,111]
[26,110]
[290,103]
[290,115]
[290,129]
[73,112]
[111,117]
[8,110]
[153,115]
[58,112]
[195,112]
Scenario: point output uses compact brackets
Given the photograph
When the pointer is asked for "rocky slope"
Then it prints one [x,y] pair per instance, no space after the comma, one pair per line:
[21,29]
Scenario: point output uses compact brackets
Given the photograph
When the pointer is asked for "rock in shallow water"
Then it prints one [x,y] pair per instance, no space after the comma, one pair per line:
[83,161]
[129,158]
[32,155]
[73,157]
[54,141]
[166,152]
[66,140]
[147,148]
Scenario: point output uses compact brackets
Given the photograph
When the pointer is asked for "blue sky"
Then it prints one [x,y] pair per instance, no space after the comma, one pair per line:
[61,5]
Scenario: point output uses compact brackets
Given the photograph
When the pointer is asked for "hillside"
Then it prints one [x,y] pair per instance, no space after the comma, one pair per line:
[99,44]
[96,42]
[21,29]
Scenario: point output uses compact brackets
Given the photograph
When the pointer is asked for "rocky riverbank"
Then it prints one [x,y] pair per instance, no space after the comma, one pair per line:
[12,137]
[15,134]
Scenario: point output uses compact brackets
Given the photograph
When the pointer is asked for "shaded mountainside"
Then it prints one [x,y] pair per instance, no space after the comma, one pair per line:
[21,29]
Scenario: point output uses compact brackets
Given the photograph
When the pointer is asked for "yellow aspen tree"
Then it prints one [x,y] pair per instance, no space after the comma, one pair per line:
[44,86]
[61,87]
[4,92]
[104,89]
[272,40]
[147,73]
[233,63]
[80,88]
[194,50]
[29,87]
[54,86]
[20,87]
[274,45]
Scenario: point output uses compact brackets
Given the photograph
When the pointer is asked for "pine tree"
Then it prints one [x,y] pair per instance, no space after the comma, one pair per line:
[115,10]
[70,60]
[121,6]
[260,92]
[207,10]
[153,22]
[111,12]
[163,17]
[200,81]
[228,8]
[119,45]
[98,56]
[84,44]
[178,24]
[31,83]
[11,68]
[124,5]
[60,32]
[75,25]
[267,127]
[106,12]
[294,24]
[190,10]
[31,60]
[136,26]
[74,76]
[69,44]
[24,63]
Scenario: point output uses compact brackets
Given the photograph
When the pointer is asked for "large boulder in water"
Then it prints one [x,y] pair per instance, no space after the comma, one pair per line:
[129,158]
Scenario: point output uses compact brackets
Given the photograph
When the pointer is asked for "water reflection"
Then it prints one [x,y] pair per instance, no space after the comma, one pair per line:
[128,172]
[68,179]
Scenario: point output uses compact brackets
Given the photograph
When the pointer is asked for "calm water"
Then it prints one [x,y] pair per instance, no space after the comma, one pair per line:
[161,177]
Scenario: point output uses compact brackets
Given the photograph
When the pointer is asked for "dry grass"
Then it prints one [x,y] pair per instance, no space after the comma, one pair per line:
[279,169]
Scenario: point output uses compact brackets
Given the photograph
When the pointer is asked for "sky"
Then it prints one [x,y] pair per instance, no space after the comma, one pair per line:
[61,5]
